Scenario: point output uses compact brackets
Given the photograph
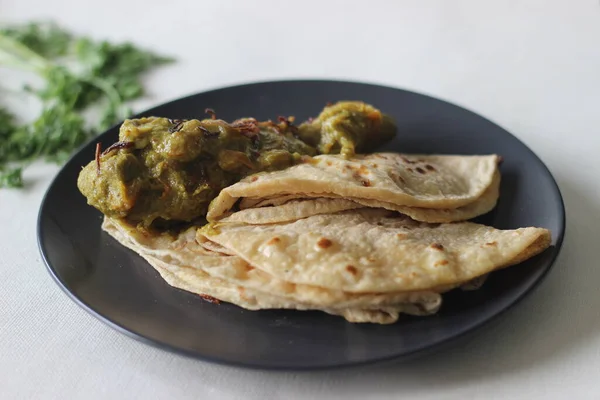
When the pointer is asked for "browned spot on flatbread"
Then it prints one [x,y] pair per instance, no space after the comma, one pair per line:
[210,299]
[329,163]
[421,170]
[288,287]
[440,263]
[410,169]
[491,243]
[273,241]
[363,181]
[324,243]
[401,235]
[437,246]
[351,269]
[254,179]
[397,178]
[430,167]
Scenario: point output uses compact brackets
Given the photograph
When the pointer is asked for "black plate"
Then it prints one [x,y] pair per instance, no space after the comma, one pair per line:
[122,290]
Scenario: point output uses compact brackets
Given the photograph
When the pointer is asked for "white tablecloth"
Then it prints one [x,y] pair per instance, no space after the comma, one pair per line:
[531,66]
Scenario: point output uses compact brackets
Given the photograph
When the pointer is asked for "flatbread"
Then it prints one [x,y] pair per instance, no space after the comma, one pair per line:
[183,263]
[290,208]
[387,180]
[195,281]
[375,250]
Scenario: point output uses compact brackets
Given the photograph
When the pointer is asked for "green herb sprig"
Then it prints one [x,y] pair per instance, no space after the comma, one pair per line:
[78,73]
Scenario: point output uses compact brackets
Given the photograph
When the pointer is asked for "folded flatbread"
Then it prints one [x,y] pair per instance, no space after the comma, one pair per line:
[184,263]
[427,188]
[375,250]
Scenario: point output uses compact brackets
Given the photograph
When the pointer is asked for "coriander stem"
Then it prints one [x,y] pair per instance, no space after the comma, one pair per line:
[15,54]
[111,93]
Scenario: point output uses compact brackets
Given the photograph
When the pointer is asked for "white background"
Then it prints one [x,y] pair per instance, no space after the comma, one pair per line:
[531,66]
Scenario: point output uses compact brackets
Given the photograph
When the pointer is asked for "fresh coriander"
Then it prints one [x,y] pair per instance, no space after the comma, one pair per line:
[107,76]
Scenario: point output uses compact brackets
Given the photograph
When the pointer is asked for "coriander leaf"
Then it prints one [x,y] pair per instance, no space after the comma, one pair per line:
[7,124]
[45,39]
[54,135]
[121,65]
[63,86]
[11,178]
[7,129]
[57,132]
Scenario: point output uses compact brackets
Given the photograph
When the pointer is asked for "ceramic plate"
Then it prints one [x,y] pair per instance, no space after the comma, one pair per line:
[122,290]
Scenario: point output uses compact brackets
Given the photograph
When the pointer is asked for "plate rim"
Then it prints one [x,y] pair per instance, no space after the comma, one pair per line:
[436,344]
